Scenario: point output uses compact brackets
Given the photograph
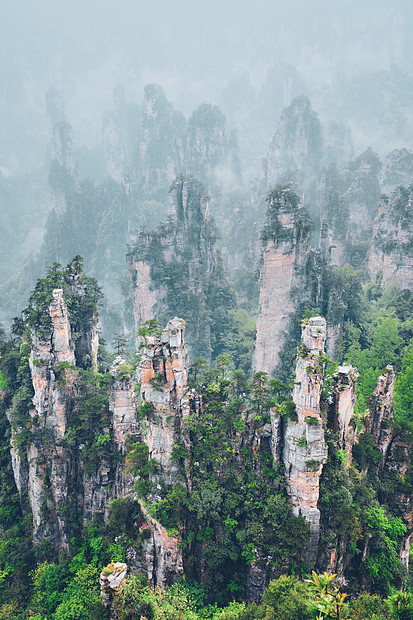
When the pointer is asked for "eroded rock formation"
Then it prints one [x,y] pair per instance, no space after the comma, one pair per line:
[396,452]
[162,554]
[282,275]
[120,127]
[344,399]
[305,451]
[47,482]
[63,176]
[177,269]
[363,194]
[162,374]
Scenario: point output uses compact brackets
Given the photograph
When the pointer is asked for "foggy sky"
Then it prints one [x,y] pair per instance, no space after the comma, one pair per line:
[192,48]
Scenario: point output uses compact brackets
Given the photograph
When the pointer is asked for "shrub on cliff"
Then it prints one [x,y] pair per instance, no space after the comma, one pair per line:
[286,598]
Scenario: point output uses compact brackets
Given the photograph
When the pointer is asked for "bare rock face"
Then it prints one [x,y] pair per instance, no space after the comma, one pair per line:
[282,272]
[305,451]
[255,583]
[379,420]
[296,149]
[177,270]
[162,555]
[144,296]
[391,252]
[344,399]
[162,374]
[122,404]
[48,468]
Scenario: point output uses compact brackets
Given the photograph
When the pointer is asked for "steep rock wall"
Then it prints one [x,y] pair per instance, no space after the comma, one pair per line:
[282,273]
[48,481]
[344,399]
[396,452]
[162,373]
[305,451]
[162,554]
[363,195]
[211,156]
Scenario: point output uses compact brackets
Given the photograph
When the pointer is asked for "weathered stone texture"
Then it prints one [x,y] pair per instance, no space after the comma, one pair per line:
[162,374]
[162,555]
[282,272]
[305,451]
[379,420]
[344,401]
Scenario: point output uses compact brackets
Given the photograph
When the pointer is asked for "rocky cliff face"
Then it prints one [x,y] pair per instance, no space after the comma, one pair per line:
[305,451]
[150,407]
[334,214]
[48,479]
[162,554]
[296,149]
[396,454]
[338,144]
[57,466]
[144,295]
[282,275]
[177,270]
[379,421]
[344,399]
[162,373]
[347,205]
[391,249]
